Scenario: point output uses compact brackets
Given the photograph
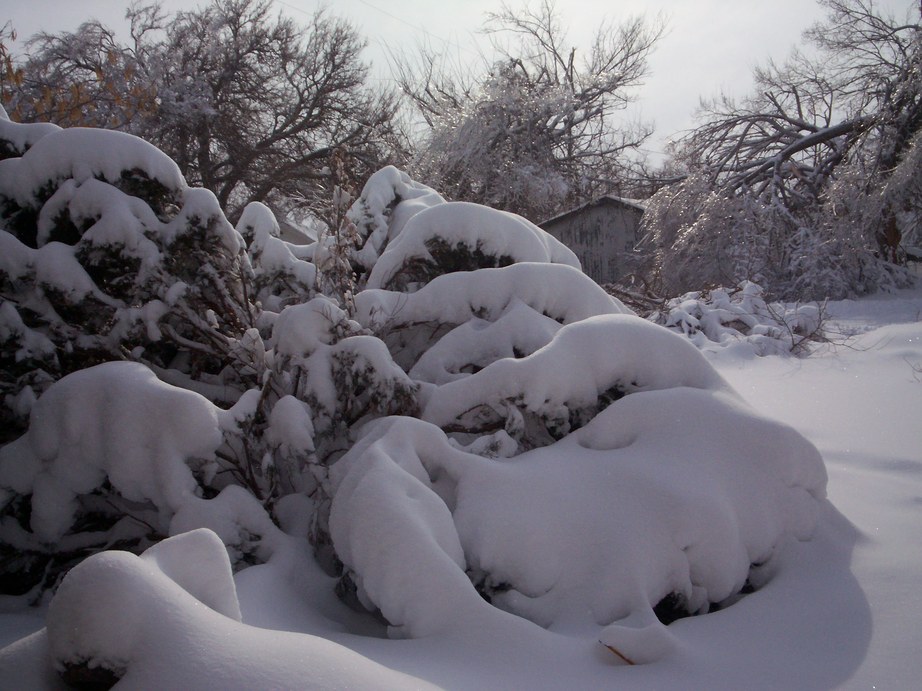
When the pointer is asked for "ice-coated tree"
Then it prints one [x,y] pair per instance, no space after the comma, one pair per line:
[785,187]
[248,103]
[538,130]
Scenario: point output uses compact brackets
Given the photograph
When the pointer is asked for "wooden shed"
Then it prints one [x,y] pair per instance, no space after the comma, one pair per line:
[602,233]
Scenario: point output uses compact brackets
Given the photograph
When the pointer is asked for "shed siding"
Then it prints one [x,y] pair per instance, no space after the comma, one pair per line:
[600,236]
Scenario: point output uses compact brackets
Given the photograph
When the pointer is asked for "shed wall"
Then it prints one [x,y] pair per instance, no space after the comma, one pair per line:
[600,237]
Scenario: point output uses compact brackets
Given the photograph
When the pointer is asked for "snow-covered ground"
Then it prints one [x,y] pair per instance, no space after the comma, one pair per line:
[841,610]
[861,404]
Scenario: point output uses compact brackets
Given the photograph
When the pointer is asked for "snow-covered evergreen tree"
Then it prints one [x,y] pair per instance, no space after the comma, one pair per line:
[484,428]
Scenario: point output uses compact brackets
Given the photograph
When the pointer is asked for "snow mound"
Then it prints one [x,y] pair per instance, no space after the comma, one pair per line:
[170,618]
[639,639]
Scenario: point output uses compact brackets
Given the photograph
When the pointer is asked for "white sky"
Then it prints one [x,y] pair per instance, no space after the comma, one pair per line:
[711,45]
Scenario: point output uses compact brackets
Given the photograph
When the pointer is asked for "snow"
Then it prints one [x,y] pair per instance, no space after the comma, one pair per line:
[23,136]
[146,615]
[571,469]
[290,426]
[741,319]
[584,532]
[82,154]
[33,344]
[57,268]
[388,200]
[15,258]
[274,259]
[114,421]
[300,330]
[488,314]
[583,361]
[200,209]
[498,234]
[110,216]
[840,611]
[558,291]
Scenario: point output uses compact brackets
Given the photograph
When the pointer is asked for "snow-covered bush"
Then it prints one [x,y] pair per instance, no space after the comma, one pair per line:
[484,425]
[615,519]
[172,614]
[106,255]
[521,367]
[390,199]
[720,317]
[281,275]
[114,457]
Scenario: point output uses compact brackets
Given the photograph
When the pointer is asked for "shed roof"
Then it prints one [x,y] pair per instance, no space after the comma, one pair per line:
[605,200]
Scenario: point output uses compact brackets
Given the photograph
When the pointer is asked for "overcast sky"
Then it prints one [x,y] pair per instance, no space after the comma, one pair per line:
[710,45]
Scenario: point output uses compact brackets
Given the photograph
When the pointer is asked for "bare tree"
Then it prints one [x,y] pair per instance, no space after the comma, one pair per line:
[85,78]
[807,115]
[249,104]
[784,181]
[536,131]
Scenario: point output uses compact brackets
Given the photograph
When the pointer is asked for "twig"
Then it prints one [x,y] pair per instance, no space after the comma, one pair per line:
[619,654]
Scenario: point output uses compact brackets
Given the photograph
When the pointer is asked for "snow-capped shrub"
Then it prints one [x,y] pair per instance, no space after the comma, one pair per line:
[16,138]
[113,258]
[337,369]
[720,317]
[523,367]
[388,200]
[610,522]
[109,255]
[459,323]
[80,154]
[115,423]
[110,448]
[410,235]
[460,236]
[587,366]
[480,423]
[280,276]
[172,613]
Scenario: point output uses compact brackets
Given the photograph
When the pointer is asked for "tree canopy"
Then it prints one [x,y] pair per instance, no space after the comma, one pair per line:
[802,185]
[248,103]
[536,132]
